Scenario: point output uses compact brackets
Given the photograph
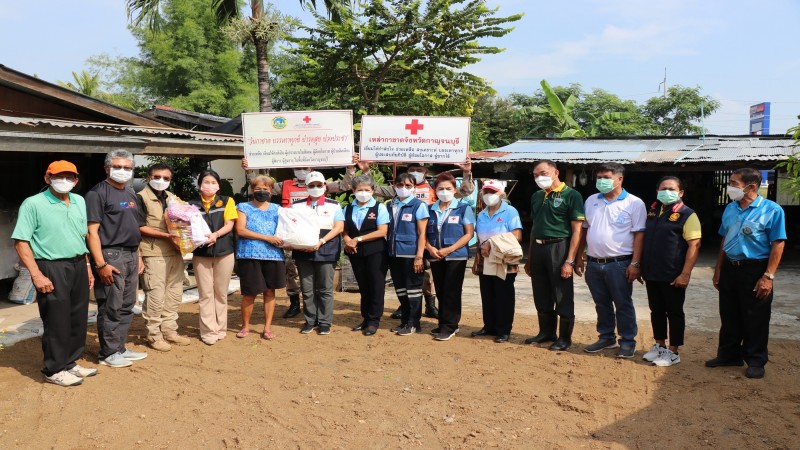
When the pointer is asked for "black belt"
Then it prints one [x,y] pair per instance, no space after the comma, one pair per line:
[73,259]
[548,241]
[608,260]
[746,262]
[130,249]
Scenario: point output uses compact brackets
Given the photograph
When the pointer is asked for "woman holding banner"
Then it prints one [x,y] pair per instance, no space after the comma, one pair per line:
[261,267]
[406,238]
[365,227]
[450,228]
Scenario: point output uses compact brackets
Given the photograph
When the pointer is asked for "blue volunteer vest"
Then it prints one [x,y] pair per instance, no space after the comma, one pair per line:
[664,246]
[403,233]
[451,231]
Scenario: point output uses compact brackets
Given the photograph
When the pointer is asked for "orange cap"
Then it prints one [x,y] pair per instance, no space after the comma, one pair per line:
[61,166]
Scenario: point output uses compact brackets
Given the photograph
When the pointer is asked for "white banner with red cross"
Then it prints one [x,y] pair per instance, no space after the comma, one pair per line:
[298,139]
[417,139]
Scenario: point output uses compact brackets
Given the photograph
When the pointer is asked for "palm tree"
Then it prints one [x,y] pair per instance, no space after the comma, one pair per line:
[264,26]
[89,84]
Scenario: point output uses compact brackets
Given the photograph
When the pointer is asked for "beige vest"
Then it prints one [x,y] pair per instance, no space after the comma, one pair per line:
[155,219]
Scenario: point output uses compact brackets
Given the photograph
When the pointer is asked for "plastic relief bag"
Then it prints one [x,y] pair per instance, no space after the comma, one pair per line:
[186,223]
[298,228]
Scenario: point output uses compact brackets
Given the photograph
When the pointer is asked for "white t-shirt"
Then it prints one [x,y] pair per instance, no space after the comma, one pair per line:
[328,211]
[611,225]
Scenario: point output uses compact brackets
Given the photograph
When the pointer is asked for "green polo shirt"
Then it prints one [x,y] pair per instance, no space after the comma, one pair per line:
[53,229]
[553,211]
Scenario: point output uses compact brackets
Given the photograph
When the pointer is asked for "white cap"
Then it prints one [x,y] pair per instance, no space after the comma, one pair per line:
[315,176]
[494,185]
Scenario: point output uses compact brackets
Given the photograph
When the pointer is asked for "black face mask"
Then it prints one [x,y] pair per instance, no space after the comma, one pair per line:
[261,196]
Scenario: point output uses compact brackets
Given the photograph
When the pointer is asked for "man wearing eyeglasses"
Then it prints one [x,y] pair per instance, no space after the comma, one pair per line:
[162,280]
[113,240]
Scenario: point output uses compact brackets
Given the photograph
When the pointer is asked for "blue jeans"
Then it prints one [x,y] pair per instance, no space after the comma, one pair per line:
[611,290]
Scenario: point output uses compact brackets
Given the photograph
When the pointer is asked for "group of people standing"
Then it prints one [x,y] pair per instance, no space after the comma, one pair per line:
[423,228]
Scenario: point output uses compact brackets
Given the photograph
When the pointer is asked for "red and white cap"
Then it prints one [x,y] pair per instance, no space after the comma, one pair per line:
[494,185]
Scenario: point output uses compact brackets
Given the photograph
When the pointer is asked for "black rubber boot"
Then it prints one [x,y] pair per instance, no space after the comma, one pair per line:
[430,307]
[547,329]
[564,341]
[294,306]
[398,314]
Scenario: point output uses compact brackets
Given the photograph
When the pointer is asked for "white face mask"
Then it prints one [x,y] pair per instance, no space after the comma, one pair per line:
[491,199]
[120,175]
[735,193]
[419,177]
[159,185]
[316,192]
[544,182]
[300,175]
[403,192]
[363,196]
[62,186]
[445,196]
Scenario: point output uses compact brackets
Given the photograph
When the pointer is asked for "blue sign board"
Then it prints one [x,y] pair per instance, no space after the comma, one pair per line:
[759,119]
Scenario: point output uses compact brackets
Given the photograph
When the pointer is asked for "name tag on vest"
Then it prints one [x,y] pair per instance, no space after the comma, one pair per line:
[406,217]
[453,219]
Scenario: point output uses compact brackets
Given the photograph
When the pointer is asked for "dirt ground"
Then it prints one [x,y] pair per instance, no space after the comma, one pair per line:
[349,391]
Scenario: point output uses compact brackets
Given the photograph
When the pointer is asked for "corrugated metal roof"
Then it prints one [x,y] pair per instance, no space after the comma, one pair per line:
[632,151]
[196,135]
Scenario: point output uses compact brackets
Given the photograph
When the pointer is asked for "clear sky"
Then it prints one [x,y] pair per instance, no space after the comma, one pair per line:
[739,52]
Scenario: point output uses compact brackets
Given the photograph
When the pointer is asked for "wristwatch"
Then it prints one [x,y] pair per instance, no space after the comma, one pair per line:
[636,264]
[359,239]
[570,262]
[771,276]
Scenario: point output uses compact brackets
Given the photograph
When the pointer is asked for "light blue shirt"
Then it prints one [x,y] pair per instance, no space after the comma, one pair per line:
[360,213]
[422,209]
[504,220]
[750,232]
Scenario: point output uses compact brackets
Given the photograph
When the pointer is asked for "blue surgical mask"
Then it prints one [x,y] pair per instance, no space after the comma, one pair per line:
[605,185]
[668,197]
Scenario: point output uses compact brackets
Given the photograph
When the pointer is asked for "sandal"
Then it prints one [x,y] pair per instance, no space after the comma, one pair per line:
[268,335]
[243,333]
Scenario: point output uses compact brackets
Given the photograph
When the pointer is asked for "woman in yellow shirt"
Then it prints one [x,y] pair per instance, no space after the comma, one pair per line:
[213,262]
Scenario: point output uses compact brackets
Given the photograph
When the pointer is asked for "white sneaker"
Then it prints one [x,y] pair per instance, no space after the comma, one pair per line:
[82,372]
[133,356]
[116,360]
[654,353]
[64,378]
[668,358]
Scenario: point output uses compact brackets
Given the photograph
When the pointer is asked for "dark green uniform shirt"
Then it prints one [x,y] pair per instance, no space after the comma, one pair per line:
[552,212]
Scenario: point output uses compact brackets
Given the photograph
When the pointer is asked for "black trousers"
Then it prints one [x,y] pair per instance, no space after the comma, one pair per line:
[498,301]
[666,307]
[370,272]
[408,286]
[448,278]
[551,293]
[64,312]
[745,319]
[115,302]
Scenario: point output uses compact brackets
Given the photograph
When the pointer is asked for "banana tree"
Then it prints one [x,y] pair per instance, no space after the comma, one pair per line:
[559,112]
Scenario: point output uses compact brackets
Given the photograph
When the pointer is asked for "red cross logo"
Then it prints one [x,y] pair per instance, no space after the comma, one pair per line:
[294,220]
[306,119]
[414,126]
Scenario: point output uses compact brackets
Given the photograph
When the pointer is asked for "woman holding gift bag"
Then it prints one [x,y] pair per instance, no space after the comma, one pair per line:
[213,262]
[261,266]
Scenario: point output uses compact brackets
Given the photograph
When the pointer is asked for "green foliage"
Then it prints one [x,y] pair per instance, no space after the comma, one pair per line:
[570,112]
[90,84]
[674,114]
[395,57]
[377,172]
[792,165]
[187,62]
[495,123]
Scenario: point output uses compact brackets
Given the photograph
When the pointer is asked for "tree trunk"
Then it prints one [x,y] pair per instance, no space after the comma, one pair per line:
[262,60]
